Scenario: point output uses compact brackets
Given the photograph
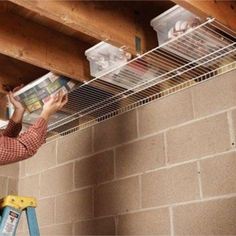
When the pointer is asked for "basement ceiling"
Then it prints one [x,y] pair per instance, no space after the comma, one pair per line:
[142,11]
[17,70]
[40,36]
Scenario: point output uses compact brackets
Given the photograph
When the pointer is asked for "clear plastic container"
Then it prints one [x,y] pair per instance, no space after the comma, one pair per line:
[104,57]
[36,93]
[173,22]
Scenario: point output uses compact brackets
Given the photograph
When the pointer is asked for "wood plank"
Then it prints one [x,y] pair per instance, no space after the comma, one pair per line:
[223,11]
[42,47]
[112,21]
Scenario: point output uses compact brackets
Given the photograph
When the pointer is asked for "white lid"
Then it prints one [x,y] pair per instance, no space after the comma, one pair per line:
[102,47]
[97,46]
[34,83]
[169,13]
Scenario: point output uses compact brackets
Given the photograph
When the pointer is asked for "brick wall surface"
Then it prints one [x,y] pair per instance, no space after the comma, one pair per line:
[168,168]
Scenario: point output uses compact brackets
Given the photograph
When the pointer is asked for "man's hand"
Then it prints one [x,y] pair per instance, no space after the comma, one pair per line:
[54,104]
[18,107]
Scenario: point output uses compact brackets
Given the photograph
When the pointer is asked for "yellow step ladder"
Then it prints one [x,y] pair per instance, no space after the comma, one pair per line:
[11,208]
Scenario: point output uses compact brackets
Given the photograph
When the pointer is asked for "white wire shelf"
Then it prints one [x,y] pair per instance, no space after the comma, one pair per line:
[196,56]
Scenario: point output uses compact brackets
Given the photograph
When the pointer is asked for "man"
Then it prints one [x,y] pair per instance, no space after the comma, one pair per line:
[15,148]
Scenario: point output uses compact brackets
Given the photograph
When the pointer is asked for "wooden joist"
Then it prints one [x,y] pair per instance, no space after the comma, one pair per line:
[223,11]
[14,72]
[114,22]
[38,45]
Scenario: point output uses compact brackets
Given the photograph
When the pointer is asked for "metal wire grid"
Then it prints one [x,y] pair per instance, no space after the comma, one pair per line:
[197,55]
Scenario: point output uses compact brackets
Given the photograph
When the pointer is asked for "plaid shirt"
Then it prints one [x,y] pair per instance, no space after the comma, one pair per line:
[15,148]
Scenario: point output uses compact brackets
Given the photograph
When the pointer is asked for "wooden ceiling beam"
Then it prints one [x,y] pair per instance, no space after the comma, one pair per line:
[223,10]
[14,72]
[42,47]
[115,22]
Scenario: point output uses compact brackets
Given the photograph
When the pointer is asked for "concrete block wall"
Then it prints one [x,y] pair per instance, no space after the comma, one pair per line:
[9,175]
[168,168]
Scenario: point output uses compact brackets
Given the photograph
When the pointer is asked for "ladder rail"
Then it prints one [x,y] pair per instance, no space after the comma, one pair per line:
[32,221]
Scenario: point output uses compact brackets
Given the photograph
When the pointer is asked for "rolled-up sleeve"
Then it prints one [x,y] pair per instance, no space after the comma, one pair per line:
[25,146]
[12,130]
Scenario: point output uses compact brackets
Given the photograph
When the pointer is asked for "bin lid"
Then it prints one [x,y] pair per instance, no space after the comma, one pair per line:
[34,83]
[165,15]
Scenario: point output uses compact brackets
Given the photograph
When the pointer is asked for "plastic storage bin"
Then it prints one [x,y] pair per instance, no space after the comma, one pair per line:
[36,93]
[173,22]
[104,57]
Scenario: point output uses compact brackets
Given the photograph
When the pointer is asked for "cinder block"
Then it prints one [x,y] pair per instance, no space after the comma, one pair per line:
[164,113]
[153,222]
[10,170]
[177,184]
[140,156]
[54,230]
[207,218]
[74,206]
[12,186]
[44,159]
[234,124]
[198,139]
[116,197]
[46,211]
[104,226]
[115,131]
[57,180]
[29,186]
[218,175]
[3,186]
[75,145]
[95,169]
[22,168]
[215,95]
